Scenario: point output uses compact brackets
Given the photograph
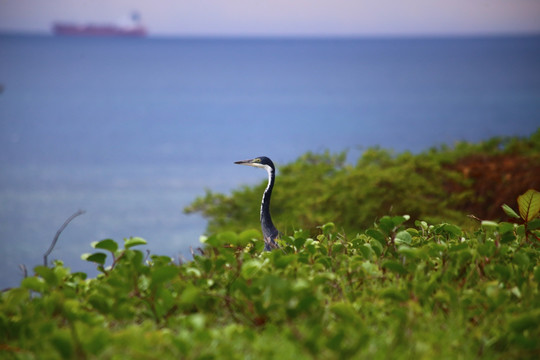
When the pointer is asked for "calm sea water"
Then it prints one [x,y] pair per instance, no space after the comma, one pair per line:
[132,130]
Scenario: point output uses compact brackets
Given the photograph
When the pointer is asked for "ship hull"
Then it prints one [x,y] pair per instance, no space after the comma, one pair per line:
[97,30]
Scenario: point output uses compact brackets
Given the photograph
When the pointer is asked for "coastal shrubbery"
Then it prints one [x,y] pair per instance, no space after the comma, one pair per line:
[391,291]
[439,185]
[364,286]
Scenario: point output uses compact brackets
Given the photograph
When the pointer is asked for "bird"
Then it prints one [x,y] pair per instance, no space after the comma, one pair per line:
[270,233]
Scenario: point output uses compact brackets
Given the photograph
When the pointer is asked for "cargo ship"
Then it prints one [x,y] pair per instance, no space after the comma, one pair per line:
[131,28]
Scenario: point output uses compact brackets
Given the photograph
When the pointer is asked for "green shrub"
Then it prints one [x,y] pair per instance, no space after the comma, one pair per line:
[391,291]
[440,185]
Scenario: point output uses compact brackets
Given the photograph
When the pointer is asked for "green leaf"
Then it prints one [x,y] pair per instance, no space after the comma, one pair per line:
[377,247]
[529,204]
[509,211]
[107,244]
[403,237]
[47,274]
[189,295]
[452,229]
[133,241]
[34,283]
[386,224]
[377,235]
[228,237]
[421,224]
[533,225]
[344,311]
[328,228]
[299,242]
[337,248]
[246,236]
[412,253]
[326,261]
[251,267]
[489,224]
[212,240]
[98,258]
[163,274]
[160,260]
[506,227]
[366,251]
[398,220]
[79,275]
[371,268]
[192,271]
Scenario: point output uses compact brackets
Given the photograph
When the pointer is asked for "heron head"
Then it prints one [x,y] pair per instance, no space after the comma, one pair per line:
[261,161]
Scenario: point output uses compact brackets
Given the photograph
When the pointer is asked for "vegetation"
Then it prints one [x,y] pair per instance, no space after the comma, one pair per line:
[398,287]
[392,291]
[439,185]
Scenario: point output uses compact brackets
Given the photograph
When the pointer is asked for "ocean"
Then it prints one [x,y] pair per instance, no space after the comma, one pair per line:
[133,130]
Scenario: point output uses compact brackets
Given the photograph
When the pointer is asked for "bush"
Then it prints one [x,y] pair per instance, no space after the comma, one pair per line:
[439,185]
[391,291]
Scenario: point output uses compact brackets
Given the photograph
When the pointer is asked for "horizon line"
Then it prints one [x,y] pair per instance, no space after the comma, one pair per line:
[370,36]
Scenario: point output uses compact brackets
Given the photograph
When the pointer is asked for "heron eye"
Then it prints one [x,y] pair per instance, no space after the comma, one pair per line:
[257,160]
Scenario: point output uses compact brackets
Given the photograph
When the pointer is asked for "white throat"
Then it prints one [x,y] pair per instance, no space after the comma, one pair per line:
[270,172]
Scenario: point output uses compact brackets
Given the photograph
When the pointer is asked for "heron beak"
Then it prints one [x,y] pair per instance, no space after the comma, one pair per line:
[251,162]
[244,162]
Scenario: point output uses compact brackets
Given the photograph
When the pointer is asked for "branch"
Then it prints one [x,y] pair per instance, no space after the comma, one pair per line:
[53,244]
[23,269]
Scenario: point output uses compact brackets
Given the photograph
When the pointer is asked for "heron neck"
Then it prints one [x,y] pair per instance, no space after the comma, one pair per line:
[266,219]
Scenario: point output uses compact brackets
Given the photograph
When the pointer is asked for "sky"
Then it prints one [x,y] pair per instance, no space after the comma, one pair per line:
[284,17]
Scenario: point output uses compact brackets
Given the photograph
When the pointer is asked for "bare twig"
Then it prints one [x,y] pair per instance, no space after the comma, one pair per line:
[53,244]
[474,217]
[23,269]
[181,259]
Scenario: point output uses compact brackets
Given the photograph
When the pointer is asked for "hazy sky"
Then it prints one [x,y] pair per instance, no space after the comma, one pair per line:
[285,17]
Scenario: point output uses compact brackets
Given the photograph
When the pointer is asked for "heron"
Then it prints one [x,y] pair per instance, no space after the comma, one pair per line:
[270,233]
